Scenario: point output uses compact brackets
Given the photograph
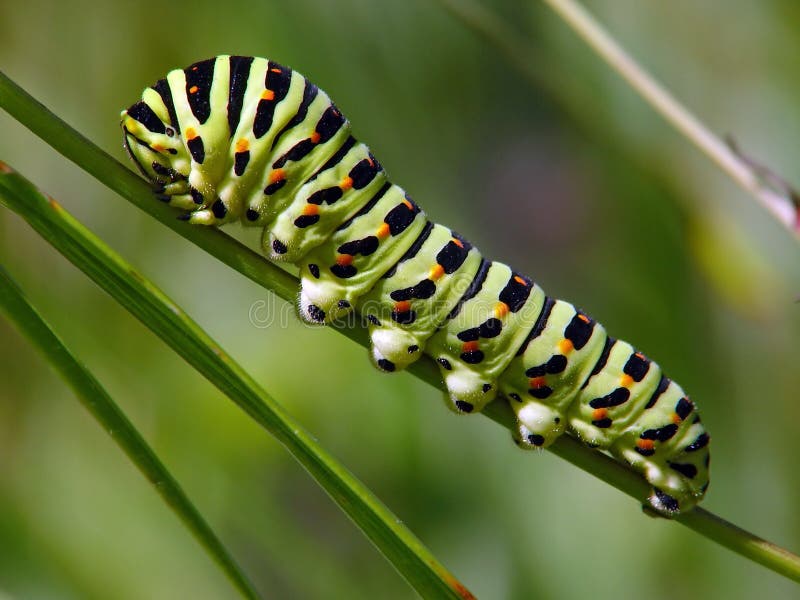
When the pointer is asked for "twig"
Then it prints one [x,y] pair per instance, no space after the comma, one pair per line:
[587,28]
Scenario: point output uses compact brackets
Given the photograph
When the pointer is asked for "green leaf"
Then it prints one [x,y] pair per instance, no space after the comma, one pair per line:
[20,312]
[167,320]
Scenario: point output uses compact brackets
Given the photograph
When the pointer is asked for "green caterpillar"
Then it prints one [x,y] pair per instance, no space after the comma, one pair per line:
[242,138]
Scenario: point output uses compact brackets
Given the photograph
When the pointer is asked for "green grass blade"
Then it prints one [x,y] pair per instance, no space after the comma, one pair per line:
[21,313]
[151,306]
[117,177]
[520,51]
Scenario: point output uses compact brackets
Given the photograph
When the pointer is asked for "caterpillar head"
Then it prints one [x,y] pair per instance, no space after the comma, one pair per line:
[155,146]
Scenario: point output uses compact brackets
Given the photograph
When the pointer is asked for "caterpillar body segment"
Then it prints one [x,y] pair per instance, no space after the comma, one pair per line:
[242,138]
[482,334]
[336,274]
[411,300]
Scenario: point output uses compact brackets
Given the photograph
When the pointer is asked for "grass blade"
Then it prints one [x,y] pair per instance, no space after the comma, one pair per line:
[165,318]
[779,200]
[21,313]
[781,207]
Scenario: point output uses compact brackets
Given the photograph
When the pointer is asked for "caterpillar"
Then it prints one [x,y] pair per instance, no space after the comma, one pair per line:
[238,138]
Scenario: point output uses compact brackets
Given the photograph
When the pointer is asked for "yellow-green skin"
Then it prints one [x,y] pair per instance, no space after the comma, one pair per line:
[245,139]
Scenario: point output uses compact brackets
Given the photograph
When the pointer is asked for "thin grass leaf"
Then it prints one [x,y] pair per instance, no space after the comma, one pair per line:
[780,203]
[92,159]
[167,320]
[781,207]
[21,313]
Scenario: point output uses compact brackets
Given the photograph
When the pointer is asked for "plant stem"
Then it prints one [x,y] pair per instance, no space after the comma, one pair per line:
[587,28]
[21,313]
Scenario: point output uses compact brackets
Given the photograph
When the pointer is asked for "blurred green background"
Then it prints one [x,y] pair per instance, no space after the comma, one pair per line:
[585,189]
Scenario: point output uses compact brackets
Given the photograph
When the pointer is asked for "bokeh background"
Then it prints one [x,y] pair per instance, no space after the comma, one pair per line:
[577,183]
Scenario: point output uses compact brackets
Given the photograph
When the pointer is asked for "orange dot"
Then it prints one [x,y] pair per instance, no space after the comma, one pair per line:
[277,175]
[458,242]
[520,280]
[469,346]
[157,147]
[537,382]
[344,260]
[193,89]
[408,204]
[565,346]
[436,272]
[500,310]
[370,161]
[645,444]
[311,210]
[242,145]
[402,306]
[598,414]
[268,95]
[626,381]
[194,68]
[275,70]
[315,137]
[640,356]
[583,318]
[347,183]
[676,418]
[190,133]
[383,231]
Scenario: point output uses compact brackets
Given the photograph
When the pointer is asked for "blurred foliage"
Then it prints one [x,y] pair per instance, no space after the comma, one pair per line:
[612,210]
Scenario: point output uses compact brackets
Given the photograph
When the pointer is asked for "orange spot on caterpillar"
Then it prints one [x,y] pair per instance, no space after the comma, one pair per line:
[268,95]
[370,161]
[537,382]
[402,306]
[344,260]
[640,356]
[157,147]
[4,168]
[645,444]
[598,414]
[346,184]
[194,68]
[313,209]
[242,145]
[315,137]
[583,318]
[676,418]
[458,242]
[626,381]
[469,346]
[275,70]
[500,310]
[383,231]
[193,89]
[436,272]
[520,280]
[565,346]
[190,133]
[277,175]
[408,204]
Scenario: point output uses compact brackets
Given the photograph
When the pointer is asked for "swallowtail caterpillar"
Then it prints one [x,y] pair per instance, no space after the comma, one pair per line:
[237,138]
